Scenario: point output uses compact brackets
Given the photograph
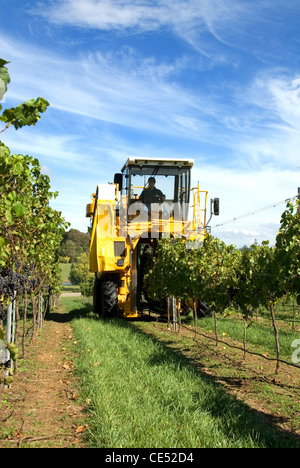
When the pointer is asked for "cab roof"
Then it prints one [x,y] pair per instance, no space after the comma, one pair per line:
[153,162]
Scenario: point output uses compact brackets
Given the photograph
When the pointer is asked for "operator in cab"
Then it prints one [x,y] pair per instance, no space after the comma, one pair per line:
[151,194]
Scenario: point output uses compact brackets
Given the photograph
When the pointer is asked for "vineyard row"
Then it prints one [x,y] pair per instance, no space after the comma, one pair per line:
[222,276]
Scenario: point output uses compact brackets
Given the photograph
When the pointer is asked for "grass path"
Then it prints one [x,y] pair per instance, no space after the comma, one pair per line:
[89,382]
[141,394]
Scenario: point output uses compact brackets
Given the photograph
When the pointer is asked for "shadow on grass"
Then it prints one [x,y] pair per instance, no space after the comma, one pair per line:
[224,407]
[258,424]
[80,310]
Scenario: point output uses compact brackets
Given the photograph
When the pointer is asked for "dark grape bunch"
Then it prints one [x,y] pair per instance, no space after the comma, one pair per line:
[2,311]
[14,284]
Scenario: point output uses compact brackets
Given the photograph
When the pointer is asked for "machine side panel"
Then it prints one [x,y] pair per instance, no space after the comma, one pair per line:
[102,256]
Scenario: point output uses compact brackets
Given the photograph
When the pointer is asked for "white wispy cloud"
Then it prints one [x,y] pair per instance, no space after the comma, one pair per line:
[188,19]
[202,24]
[242,193]
[273,119]
[117,14]
[54,148]
[258,122]
[100,87]
[244,134]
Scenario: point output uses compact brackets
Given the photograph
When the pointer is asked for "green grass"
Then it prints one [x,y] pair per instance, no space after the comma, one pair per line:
[259,335]
[65,271]
[70,288]
[284,310]
[141,394]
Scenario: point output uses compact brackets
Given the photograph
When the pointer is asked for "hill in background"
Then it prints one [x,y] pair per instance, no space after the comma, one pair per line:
[73,244]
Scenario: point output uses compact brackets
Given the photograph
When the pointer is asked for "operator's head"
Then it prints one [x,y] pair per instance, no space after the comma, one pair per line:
[151,181]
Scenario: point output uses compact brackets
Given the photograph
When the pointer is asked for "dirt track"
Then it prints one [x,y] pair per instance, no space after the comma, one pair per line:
[70,294]
[41,410]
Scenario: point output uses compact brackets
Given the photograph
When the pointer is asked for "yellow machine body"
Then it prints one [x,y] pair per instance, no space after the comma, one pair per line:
[121,227]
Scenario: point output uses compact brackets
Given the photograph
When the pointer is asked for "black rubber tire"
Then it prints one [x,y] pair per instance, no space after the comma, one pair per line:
[204,310]
[105,297]
[109,298]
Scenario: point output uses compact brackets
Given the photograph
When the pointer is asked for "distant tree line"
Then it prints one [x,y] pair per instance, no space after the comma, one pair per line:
[73,244]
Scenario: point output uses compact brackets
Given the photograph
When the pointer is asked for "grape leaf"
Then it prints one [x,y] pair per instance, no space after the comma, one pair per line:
[19,210]
[4,78]
[27,113]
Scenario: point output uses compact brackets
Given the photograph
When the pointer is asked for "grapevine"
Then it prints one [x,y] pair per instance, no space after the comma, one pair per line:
[222,275]
[30,230]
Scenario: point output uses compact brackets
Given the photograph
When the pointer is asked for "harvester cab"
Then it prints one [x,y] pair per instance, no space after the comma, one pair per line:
[148,200]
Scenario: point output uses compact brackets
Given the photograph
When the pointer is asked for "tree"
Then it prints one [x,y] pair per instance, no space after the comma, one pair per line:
[80,269]
[74,243]
[80,274]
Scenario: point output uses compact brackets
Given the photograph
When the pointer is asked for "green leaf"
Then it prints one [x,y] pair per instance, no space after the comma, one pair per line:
[2,242]
[19,210]
[3,62]
[17,169]
[4,153]
[12,196]
[1,334]
[4,77]
[27,113]
[8,216]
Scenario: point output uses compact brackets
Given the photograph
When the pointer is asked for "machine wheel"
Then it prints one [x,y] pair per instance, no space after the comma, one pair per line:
[105,298]
[204,310]
[109,298]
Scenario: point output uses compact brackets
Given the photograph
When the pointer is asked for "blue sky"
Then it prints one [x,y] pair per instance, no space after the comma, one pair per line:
[213,80]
